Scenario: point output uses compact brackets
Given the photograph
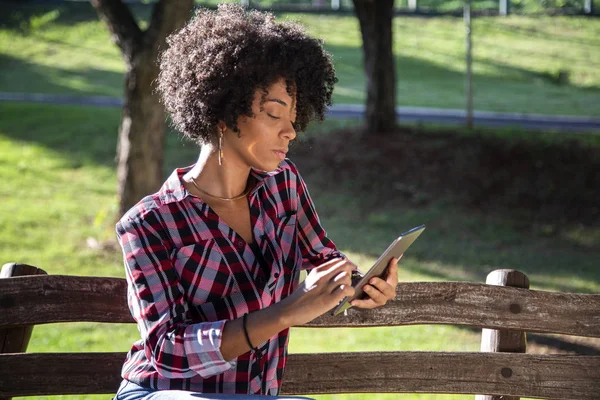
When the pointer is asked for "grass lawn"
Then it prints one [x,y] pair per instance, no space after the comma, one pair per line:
[59,190]
[517,60]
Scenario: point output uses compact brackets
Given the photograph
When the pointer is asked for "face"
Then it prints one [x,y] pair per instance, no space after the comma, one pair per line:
[264,139]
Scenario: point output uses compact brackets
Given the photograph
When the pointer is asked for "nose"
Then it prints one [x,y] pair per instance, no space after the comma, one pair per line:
[289,132]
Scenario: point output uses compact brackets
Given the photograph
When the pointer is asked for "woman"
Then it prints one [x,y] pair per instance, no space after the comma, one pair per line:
[213,258]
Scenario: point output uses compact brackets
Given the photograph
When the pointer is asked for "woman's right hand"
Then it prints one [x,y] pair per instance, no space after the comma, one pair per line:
[324,287]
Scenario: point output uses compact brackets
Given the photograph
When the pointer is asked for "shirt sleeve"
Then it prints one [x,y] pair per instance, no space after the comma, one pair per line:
[176,347]
[315,246]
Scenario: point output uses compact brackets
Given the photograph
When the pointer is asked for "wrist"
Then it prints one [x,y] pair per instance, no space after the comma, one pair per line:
[284,314]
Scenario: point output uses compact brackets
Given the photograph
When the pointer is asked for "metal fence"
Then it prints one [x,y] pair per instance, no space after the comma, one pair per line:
[499,7]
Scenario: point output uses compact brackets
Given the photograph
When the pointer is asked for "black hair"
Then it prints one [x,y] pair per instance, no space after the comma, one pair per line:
[213,66]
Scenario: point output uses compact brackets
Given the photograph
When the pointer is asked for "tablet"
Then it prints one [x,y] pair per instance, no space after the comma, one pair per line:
[395,250]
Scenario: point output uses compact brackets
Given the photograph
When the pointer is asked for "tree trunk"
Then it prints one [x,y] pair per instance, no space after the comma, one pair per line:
[140,146]
[375,17]
[141,141]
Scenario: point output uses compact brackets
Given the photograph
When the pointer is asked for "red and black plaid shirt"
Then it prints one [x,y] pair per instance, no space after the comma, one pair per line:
[188,273]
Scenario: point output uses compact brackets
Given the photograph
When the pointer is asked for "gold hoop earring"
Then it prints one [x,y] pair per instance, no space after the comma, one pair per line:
[220,147]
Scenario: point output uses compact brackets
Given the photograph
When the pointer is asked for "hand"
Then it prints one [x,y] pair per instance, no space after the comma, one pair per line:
[379,290]
[324,287]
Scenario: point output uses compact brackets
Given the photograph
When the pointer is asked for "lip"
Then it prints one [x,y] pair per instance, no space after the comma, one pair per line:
[280,154]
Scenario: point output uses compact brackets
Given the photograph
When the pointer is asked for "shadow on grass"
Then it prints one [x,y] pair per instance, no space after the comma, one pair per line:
[510,216]
[523,53]
[71,46]
[517,74]
[83,135]
[24,17]
[506,27]
[445,36]
[19,76]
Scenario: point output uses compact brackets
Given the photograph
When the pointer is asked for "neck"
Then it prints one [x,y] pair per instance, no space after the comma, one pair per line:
[227,180]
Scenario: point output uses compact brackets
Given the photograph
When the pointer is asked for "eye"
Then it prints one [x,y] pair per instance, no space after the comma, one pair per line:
[272,116]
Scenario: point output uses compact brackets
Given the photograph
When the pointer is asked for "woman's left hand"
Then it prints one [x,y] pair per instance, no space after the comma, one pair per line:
[379,290]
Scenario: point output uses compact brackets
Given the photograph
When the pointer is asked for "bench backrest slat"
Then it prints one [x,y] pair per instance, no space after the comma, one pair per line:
[557,376]
[43,299]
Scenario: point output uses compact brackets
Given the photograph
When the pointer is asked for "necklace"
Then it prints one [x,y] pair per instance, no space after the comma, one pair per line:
[239,196]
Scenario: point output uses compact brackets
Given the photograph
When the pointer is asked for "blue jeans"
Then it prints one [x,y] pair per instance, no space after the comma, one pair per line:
[131,391]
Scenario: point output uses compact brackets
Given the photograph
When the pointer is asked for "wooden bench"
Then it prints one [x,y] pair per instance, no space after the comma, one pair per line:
[29,297]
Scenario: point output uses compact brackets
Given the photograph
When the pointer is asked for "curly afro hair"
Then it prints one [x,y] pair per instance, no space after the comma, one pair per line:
[213,66]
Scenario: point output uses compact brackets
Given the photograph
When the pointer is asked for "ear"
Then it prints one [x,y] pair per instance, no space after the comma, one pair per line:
[221,126]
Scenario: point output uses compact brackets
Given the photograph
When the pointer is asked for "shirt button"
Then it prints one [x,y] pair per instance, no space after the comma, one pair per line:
[276,275]
[240,244]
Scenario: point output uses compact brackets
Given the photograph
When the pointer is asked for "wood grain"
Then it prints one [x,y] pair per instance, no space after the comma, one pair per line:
[526,375]
[35,300]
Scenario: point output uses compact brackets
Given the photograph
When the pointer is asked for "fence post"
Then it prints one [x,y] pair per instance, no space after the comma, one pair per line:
[588,7]
[413,5]
[15,340]
[469,62]
[494,340]
[504,7]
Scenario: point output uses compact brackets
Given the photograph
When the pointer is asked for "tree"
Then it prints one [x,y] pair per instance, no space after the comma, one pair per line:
[140,146]
[375,17]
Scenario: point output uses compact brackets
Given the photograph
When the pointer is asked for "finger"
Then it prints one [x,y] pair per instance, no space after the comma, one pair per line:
[338,268]
[365,303]
[392,275]
[340,276]
[343,291]
[389,291]
[330,268]
[375,295]
[349,266]
[343,279]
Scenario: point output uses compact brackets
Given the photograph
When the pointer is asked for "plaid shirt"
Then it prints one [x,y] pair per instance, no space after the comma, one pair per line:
[188,273]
